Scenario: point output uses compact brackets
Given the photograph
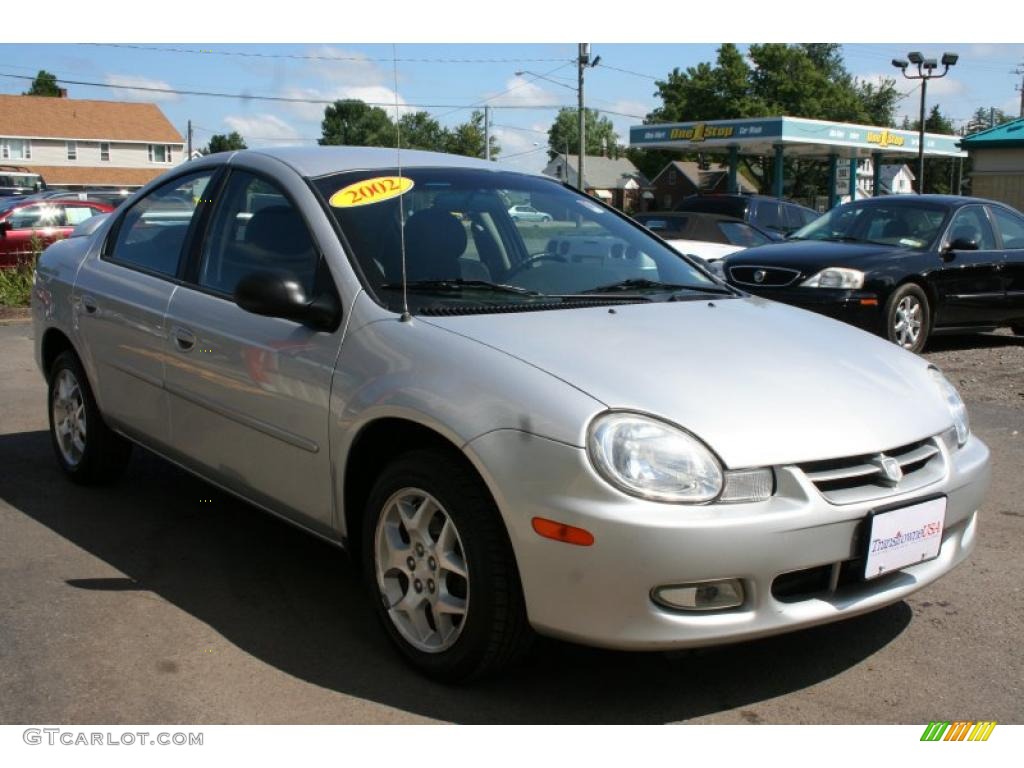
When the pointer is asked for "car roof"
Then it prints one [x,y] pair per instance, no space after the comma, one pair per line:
[321,161]
[708,216]
[949,201]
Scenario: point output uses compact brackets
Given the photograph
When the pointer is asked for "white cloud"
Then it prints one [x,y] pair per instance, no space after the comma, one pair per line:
[263,130]
[135,81]
[522,91]
[530,148]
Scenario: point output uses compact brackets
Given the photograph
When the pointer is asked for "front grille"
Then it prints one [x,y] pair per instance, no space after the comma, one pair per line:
[865,478]
[763,277]
[823,581]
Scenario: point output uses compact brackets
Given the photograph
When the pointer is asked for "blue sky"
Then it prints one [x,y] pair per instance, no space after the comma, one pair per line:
[341,70]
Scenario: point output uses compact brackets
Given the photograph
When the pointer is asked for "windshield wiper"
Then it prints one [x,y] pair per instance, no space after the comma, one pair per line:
[644,284]
[459,284]
[842,239]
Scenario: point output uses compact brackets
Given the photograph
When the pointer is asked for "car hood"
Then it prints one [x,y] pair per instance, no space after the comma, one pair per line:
[814,254]
[761,383]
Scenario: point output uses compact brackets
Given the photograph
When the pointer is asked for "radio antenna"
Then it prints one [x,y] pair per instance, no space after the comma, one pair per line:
[406,316]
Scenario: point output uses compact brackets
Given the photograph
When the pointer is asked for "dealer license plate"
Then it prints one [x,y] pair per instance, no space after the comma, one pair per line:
[904,536]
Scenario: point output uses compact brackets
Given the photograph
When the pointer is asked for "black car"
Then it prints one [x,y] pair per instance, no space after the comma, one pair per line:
[903,266]
[707,227]
[767,213]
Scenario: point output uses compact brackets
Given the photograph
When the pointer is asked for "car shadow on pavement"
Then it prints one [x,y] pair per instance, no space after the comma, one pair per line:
[295,602]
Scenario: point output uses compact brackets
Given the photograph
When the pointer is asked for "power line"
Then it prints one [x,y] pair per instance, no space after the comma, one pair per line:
[314,57]
[628,72]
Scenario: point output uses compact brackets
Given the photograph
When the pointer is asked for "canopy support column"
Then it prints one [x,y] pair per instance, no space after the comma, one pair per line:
[833,162]
[734,161]
[777,180]
[876,174]
[853,179]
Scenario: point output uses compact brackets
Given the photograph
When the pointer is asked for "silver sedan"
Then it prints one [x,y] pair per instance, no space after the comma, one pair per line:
[569,430]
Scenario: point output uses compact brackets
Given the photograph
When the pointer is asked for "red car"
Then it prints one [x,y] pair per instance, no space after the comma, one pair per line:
[22,220]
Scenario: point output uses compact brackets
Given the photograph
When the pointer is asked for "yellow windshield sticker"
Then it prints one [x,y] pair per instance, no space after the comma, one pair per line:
[371,191]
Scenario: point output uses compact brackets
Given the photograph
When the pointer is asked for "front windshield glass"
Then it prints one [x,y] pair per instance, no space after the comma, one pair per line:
[903,225]
[464,249]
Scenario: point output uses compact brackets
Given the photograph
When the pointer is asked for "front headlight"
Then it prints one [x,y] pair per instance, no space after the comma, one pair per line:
[653,460]
[956,406]
[836,277]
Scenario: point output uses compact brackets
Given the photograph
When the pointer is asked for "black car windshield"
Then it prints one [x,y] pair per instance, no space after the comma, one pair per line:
[901,224]
[463,249]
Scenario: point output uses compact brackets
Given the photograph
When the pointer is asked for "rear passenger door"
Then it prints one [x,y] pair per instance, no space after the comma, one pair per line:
[119,301]
[1010,227]
[250,395]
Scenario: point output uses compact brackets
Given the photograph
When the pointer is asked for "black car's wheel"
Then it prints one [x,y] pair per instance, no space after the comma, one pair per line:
[1018,329]
[87,449]
[440,569]
[907,318]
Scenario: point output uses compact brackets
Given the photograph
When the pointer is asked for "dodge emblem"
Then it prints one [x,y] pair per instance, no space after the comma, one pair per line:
[889,467]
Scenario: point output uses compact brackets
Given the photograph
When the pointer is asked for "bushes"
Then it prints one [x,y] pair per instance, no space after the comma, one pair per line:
[16,282]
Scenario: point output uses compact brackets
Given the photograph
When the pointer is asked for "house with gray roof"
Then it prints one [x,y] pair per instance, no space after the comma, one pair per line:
[615,180]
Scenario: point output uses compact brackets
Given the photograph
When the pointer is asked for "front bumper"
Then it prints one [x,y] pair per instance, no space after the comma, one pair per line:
[863,309]
[600,595]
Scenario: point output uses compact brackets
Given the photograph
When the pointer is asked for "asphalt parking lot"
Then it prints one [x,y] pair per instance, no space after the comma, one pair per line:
[162,600]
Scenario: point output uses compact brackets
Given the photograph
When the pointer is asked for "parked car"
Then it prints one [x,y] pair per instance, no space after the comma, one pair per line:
[24,222]
[710,236]
[769,214]
[528,213]
[111,197]
[902,266]
[15,180]
[600,442]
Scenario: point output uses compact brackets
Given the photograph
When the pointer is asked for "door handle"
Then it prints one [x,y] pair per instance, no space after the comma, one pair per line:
[89,304]
[184,339]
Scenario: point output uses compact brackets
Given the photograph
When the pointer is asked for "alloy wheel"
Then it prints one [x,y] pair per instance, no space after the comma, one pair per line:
[69,423]
[907,322]
[421,570]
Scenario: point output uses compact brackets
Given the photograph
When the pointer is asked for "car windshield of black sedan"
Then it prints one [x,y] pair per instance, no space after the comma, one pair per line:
[464,251]
[902,224]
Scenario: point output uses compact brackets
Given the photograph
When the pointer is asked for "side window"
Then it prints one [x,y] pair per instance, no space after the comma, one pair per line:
[256,228]
[1011,227]
[76,214]
[152,233]
[738,233]
[38,216]
[768,216]
[794,217]
[971,223]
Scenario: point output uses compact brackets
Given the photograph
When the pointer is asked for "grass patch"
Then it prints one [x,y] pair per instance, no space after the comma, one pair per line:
[16,283]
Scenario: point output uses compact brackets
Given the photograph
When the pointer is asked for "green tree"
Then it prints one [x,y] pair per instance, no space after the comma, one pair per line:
[355,123]
[220,142]
[45,84]
[984,118]
[418,130]
[468,138]
[565,131]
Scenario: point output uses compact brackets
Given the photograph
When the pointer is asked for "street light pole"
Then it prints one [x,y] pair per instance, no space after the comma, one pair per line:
[584,59]
[925,72]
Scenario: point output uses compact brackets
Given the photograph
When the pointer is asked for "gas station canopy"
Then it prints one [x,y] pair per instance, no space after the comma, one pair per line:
[799,137]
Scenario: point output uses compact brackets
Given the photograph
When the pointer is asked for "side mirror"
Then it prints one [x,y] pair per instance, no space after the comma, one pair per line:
[5,227]
[962,244]
[272,295]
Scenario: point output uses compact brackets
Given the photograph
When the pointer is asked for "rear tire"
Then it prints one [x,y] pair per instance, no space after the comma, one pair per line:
[908,318]
[440,569]
[88,451]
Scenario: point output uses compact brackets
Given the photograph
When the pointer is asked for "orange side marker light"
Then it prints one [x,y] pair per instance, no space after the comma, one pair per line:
[567,534]
[869,302]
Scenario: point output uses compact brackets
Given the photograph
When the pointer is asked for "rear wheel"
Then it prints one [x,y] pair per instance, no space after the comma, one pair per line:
[440,568]
[908,322]
[86,448]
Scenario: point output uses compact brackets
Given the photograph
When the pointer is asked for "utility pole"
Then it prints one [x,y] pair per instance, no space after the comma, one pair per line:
[1020,71]
[584,60]
[487,133]
[189,139]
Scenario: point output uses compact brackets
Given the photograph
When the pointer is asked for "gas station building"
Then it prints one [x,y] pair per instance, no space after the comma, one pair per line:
[782,137]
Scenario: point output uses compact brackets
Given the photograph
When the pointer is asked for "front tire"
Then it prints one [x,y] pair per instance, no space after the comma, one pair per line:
[908,318]
[440,569]
[88,451]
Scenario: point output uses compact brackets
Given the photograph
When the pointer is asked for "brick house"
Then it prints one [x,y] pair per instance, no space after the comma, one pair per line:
[77,143]
[682,178]
[615,180]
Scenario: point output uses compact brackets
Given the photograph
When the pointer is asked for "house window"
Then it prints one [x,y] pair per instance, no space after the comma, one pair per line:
[72,150]
[15,149]
[159,153]
[672,178]
[105,151]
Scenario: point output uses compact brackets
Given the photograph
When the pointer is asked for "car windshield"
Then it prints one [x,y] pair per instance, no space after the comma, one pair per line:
[464,249]
[904,225]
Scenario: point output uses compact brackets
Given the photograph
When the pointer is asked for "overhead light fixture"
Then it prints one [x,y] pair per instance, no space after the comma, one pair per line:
[915,57]
[900,63]
[949,59]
